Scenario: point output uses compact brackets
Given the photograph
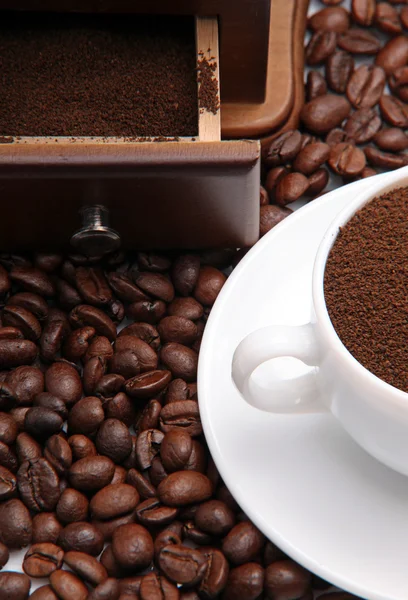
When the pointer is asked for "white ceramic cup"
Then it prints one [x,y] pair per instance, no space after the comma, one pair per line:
[373,412]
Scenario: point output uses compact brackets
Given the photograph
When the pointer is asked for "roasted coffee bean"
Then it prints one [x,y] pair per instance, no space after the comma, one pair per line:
[398,82]
[272,553]
[149,311]
[359,41]
[142,485]
[245,582]
[285,579]
[155,586]
[92,286]
[5,283]
[77,343]
[38,485]
[198,458]
[387,19]
[4,555]
[82,537]
[131,585]
[185,273]
[177,329]
[34,303]
[100,347]
[216,574]
[147,447]
[86,416]
[182,565]
[108,527]
[391,140]
[346,160]
[26,382]
[109,385]
[362,125]
[110,563]
[166,537]
[336,136]
[180,360]
[181,415]
[125,363]
[311,158]
[366,86]
[119,475]
[18,415]
[214,517]
[14,586]
[120,407]
[52,338]
[42,559]
[156,285]
[363,11]
[63,381]
[151,513]
[114,440]
[32,280]
[8,429]
[184,487]
[15,352]
[276,173]
[68,586]
[209,284]
[19,317]
[324,113]
[81,447]
[131,460]
[46,528]
[91,473]
[175,449]
[385,160]
[8,459]
[317,182]
[86,567]
[15,524]
[47,261]
[42,422]
[85,315]
[114,501]
[14,260]
[271,215]
[68,296]
[193,534]
[188,308]
[147,385]
[393,55]
[108,590]
[125,289]
[330,19]
[146,357]
[47,400]
[394,111]
[282,149]
[177,390]
[72,506]
[321,45]
[58,453]
[8,484]
[132,546]
[10,333]
[144,331]
[367,172]
[93,372]
[243,543]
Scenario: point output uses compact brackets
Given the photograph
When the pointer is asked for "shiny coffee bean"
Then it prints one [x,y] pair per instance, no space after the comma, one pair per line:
[188,308]
[362,125]
[385,160]
[271,215]
[42,559]
[285,579]
[8,429]
[8,458]
[209,284]
[282,149]
[58,453]
[365,86]
[245,582]
[175,449]
[109,385]
[214,517]
[324,113]
[31,302]
[113,440]
[317,182]
[393,55]
[86,567]
[47,400]
[86,315]
[38,485]
[15,352]
[243,543]
[144,331]
[86,416]
[26,383]
[359,41]
[311,158]
[14,586]
[184,487]
[329,19]
[146,357]
[81,537]
[346,160]
[391,140]
[93,372]
[321,45]
[216,574]
[362,12]
[132,547]
[68,586]
[156,285]
[185,272]
[182,415]
[108,590]
[42,422]
[46,528]
[15,524]
[141,484]
[122,408]
[63,381]
[387,19]
[32,280]
[22,319]
[182,565]
[72,506]
[77,343]
[81,447]
[147,385]
[155,586]
[99,347]
[107,528]
[91,473]
[394,111]
[8,484]
[114,501]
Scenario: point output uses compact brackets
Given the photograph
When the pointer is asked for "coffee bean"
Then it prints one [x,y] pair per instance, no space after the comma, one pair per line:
[142,485]
[276,173]
[33,303]
[177,329]
[92,286]
[110,563]
[335,19]
[131,460]
[185,273]
[100,347]
[42,422]
[47,261]
[243,543]
[15,524]
[120,407]
[147,447]
[109,385]
[362,12]
[285,579]
[108,527]
[146,357]
[86,315]
[366,86]
[192,533]
[15,352]
[72,506]
[311,158]
[68,296]
[26,382]
[132,546]
[14,586]
[184,487]
[182,415]
[8,484]
[188,308]
[245,582]
[38,485]
[92,373]
[359,41]
[119,475]
[125,363]
[113,440]
[151,513]
[8,429]
[175,449]
[214,517]
[10,333]
[114,501]
[394,111]
[321,45]
[18,415]
[317,182]
[52,338]
[81,447]
[385,160]
[209,284]
[8,458]
[147,385]
[291,187]
[324,113]
[77,343]
[198,458]
[346,160]
[42,559]
[46,528]
[47,400]
[216,574]
[86,567]
[156,587]
[398,82]
[91,473]
[32,280]
[282,149]
[125,289]
[63,381]
[387,19]
[182,565]
[4,555]
[86,416]
[14,260]
[391,140]
[149,311]
[68,586]
[156,285]
[166,537]
[58,453]
[178,390]
[271,215]
[144,331]
[393,55]
[108,590]
[362,125]
[82,537]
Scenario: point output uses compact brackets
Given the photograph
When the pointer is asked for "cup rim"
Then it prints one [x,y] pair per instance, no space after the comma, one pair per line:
[395,180]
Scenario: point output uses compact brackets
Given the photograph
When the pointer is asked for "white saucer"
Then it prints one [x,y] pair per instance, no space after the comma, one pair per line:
[302,480]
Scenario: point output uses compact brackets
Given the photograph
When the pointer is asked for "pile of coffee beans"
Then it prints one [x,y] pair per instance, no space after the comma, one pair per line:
[105,476]
[354,120]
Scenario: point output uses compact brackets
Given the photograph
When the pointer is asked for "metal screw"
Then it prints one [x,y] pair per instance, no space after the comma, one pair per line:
[95,236]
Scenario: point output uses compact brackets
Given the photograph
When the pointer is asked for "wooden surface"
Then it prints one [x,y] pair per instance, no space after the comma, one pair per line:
[209,124]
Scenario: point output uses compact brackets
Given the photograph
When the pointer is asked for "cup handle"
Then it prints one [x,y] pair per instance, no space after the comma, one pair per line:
[299,395]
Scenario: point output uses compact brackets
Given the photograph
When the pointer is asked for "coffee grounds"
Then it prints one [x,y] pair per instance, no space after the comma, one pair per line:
[366,287]
[87,75]
[208,99]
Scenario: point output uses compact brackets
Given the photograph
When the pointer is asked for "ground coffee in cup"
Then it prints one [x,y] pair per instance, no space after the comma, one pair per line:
[366,287]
